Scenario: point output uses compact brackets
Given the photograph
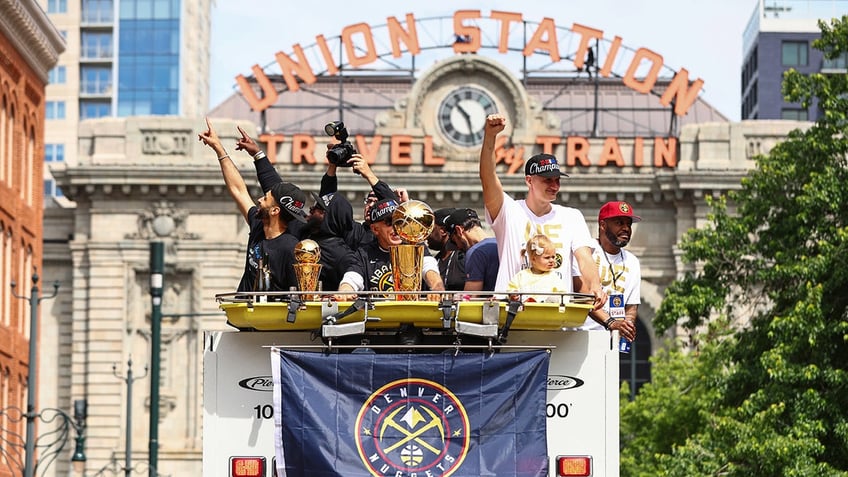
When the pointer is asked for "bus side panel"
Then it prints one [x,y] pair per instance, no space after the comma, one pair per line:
[582,407]
[238,411]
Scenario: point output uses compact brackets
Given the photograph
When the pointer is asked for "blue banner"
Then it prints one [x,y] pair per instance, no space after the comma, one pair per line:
[410,415]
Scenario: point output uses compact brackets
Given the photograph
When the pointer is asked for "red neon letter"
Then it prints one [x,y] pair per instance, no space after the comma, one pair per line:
[679,89]
[505,18]
[289,67]
[650,79]
[398,34]
[547,30]
[370,54]
[469,34]
[586,34]
[255,103]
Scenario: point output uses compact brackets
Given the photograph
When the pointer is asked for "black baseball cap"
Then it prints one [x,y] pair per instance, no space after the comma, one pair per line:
[440,215]
[459,217]
[544,165]
[382,210]
[322,201]
[291,199]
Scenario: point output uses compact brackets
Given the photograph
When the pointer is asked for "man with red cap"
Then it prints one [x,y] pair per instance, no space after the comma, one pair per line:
[618,269]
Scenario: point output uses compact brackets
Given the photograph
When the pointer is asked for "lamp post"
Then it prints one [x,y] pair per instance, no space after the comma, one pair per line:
[157,268]
[32,373]
[129,379]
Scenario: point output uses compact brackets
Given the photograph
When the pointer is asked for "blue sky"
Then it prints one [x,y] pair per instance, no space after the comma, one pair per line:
[703,37]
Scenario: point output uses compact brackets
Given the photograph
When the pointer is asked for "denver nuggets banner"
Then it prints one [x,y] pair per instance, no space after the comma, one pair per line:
[366,414]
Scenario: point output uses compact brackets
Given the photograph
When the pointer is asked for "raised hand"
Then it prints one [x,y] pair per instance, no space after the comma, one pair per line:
[246,143]
[495,123]
[211,139]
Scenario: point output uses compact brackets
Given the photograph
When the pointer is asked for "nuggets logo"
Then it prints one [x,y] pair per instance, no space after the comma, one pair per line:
[624,207]
[411,428]
[617,301]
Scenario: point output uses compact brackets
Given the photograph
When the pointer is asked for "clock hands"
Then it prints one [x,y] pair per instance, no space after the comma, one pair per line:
[467,117]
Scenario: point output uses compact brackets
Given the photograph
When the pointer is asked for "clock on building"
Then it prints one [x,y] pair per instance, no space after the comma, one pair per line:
[462,115]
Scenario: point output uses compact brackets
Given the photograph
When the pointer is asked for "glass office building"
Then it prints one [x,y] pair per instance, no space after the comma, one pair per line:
[125,58]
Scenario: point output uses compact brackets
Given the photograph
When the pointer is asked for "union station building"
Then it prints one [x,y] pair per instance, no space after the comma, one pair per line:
[626,127]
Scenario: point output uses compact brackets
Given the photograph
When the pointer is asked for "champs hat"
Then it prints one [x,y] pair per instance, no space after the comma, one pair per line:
[322,201]
[459,218]
[544,165]
[382,210]
[617,209]
[291,199]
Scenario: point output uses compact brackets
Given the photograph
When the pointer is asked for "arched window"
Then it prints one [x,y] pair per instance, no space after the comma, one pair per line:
[5,278]
[634,367]
[4,137]
[10,145]
[29,178]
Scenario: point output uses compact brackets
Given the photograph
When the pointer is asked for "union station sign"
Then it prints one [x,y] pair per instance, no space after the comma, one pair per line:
[445,114]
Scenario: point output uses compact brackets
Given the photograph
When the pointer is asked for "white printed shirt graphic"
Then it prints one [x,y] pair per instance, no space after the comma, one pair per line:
[516,223]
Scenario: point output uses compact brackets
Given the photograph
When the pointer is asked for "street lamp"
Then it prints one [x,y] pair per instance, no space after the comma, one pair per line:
[129,380]
[32,373]
[157,272]
[80,414]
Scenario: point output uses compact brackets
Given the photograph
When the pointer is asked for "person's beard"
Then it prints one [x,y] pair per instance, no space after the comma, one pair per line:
[263,214]
[615,240]
[314,223]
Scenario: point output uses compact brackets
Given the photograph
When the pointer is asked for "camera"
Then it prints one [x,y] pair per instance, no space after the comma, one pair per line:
[340,153]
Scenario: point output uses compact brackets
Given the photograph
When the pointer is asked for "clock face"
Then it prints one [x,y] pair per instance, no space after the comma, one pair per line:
[462,115]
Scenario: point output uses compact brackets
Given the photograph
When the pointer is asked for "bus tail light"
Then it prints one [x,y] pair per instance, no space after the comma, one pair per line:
[247,467]
[573,465]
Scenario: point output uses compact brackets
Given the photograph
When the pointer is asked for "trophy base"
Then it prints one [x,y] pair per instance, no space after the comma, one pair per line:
[406,270]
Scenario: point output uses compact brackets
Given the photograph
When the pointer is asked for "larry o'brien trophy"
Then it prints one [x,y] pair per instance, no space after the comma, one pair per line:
[307,253]
[413,221]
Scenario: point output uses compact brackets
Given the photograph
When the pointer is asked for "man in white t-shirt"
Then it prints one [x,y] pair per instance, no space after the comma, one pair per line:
[515,221]
[619,269]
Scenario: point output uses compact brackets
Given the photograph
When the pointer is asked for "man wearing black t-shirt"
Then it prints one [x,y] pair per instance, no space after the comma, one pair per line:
[270,250]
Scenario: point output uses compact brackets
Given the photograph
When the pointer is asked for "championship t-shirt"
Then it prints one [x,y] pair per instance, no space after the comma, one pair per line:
[516,223]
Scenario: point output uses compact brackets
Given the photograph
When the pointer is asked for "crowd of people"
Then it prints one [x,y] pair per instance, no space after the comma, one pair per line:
[539,247]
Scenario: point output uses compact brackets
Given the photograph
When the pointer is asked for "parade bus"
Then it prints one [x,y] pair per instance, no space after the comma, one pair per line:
[390,396]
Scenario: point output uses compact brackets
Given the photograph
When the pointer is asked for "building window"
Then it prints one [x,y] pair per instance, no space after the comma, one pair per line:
[57,6]
[96,45]
[838,63]
[794,114]
[794,53]
[98,11]
[149,69]
[57,75]
[94,109]
[55,110]
[95,80]
[54,153]
[51,190]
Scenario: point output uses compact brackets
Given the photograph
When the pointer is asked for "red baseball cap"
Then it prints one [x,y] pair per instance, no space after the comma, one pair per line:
[617,209]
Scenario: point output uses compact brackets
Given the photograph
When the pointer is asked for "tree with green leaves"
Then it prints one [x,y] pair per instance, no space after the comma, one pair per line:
[762,388]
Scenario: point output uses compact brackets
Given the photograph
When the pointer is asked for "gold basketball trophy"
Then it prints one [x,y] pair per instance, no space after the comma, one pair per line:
[307,253]
[413,221]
